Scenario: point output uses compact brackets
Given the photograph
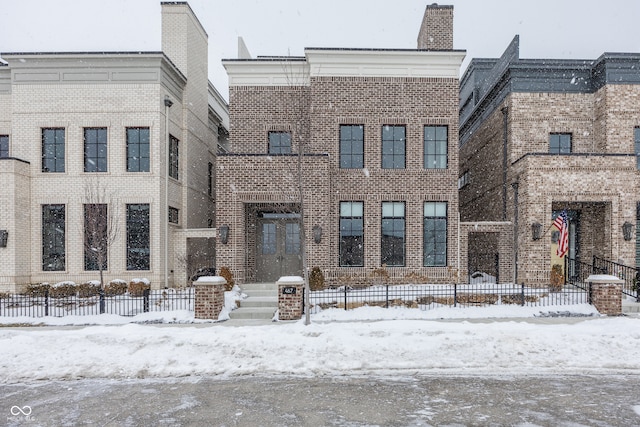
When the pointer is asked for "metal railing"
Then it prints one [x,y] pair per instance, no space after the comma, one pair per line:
[630,275]
[427,297]
[29,305]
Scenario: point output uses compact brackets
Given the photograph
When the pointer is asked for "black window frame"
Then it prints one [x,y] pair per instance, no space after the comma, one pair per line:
[138,237]
[210,179]
[434,245]
[95,149]
[351,250]
[279,142]
[435,148]
[53,150]
[556,143]
[351,147]
[174,157]
[173,215]
[91,259]
[4,146]
[392,251]
[394,149]
[138,149]
[54,237]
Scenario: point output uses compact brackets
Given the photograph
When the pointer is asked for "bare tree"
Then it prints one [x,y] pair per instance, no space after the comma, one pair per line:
[101,228]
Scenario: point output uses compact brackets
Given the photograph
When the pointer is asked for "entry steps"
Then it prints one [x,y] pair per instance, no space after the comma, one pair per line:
[261,302]
[630,307]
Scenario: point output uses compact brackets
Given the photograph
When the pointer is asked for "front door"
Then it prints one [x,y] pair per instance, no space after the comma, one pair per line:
[278,246]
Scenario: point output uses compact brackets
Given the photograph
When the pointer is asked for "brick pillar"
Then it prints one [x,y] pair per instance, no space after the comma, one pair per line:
[209,297]
[290,297]
[606,294]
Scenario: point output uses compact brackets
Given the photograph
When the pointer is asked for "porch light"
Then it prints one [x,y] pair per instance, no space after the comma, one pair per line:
[627,228]
[4,235]
[536,230]
[224,234]
[317,233]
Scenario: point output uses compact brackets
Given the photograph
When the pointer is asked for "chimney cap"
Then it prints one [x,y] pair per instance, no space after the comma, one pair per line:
[437,6]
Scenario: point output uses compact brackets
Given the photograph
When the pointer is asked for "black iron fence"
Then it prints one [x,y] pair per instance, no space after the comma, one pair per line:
[630,275]
[44,304]
[427,297]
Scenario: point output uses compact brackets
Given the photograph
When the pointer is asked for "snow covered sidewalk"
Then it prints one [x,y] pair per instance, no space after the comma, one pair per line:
[594,346]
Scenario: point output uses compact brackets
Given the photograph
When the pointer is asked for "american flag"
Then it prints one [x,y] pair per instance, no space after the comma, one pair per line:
[561,222]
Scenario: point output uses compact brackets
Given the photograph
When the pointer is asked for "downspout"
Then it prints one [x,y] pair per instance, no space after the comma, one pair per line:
[505,119]
[515,231]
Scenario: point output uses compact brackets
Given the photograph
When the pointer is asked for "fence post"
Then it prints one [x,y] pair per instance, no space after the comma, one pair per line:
[345,297]
[522,294]
[101,294]
[145,300]
[455,294]
[387,297]
[46,302]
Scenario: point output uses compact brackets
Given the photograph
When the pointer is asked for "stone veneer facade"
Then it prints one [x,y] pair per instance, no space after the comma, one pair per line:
[509,108]
[310,97]
[112,91]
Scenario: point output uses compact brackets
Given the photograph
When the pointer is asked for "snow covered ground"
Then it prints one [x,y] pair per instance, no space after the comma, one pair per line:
[337,343]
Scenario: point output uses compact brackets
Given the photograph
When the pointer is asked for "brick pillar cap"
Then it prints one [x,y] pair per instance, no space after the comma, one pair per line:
[210,280]
[290,280]
[603,278]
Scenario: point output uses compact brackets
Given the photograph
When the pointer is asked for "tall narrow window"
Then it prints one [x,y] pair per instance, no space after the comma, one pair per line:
[173,157]
[392,246]
[4,146]
[95,149]
[53,238]
[352,146]
[636,138]
[393,147]
[52,150]
[560,143]
[174,215]
[95,236]
[210,179]
[435,147]
[292,238]
[351,234]
[435,234]
[138,150]
[138,237]
[279,143]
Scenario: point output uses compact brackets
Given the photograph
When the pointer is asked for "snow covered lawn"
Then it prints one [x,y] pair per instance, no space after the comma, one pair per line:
[595,345]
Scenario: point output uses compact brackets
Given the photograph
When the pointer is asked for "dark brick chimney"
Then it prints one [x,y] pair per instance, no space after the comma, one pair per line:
[436,31]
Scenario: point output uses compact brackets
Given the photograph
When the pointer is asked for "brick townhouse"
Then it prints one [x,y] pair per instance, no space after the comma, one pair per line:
[378,130]
[74,123]
[542,136]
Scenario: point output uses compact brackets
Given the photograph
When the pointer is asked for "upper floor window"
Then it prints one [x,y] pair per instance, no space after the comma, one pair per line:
[393,147]
[279,143]
[138,150]
[435,147]
[393,234]
[95,149]
[636,138]
[210,179]
[174,215]
[52,150]
[173,157]
[351,234]
[4,145]
[351,146]
[560,143]
[463,180]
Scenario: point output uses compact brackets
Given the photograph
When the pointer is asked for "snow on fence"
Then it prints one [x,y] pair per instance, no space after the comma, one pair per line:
[427,297]
[29,305]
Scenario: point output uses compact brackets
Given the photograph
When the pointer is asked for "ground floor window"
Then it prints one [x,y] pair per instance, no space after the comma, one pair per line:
[435,234]
[392,246]
[95,236]
[53,237]
[351,234]
[138,237]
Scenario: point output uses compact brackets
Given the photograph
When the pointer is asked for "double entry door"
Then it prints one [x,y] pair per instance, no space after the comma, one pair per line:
[278,246]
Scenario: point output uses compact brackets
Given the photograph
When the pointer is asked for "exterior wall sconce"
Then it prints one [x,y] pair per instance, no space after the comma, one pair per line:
[224,234]
[317,234]
[536,230]
[4,236]
[627,228]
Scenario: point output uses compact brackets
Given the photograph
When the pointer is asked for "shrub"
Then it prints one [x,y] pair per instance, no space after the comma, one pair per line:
[316,279]
[380,276]
[226,273]
[63,290]
[38,289]
[88,289]
[115,287]
[557,278]
[138,286]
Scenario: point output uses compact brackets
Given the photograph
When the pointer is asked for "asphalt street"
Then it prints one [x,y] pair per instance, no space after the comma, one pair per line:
[441,400]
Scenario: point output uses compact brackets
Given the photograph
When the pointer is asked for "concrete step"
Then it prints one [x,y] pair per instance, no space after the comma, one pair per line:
[254,301]
[253,313]
[271,293]
[630,307]
[259,287]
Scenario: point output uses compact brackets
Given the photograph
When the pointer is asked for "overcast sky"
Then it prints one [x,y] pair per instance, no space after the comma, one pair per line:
[548,28]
